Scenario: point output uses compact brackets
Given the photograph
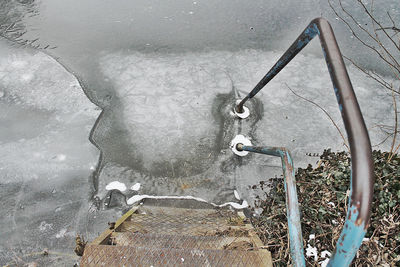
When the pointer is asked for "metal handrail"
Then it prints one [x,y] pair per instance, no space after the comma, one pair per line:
[362,178]
[292,203]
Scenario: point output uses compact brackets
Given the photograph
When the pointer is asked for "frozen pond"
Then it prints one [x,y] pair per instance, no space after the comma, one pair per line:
[152,86]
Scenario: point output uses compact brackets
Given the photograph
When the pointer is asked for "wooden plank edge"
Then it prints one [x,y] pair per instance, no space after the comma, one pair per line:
[103,237]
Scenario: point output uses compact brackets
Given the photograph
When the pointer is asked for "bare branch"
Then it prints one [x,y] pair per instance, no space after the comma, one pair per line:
[378,23]
[384,140]
[358,38]
[391,19]
[394,61]
[389,28]
[326,113]
[395,127]
[375,76]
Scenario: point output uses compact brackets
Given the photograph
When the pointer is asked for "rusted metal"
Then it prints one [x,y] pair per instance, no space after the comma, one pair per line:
[179,235]
[292,203]
[362,180]
[103,237]
[183,241]
[102,255]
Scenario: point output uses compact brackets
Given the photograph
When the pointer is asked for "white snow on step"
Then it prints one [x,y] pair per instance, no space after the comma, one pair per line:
[235,205]
[137,198]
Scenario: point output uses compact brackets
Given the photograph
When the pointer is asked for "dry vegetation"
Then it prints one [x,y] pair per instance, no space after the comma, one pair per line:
[323,192]
[323,189]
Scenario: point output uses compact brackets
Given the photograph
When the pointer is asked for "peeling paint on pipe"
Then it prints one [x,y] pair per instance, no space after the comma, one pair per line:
[292,203]
[362,169]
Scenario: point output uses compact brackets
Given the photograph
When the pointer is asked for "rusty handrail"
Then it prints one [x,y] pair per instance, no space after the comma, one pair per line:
[292,203]
[362,178]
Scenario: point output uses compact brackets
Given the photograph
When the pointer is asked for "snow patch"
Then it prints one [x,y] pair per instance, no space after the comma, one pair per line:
[234,205]
[135,187]
[258,211]
[137,198]
[116,186]
[325,253]
[312,252]
[324,263]
[236,194]
[331,203]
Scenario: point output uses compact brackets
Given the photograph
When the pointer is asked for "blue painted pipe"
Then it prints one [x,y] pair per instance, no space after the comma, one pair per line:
[362,178]
[292,203]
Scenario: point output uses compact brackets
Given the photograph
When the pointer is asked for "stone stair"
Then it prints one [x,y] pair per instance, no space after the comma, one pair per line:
[178,233]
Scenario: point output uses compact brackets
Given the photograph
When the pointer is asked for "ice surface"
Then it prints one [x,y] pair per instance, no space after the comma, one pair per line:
[175,114]
[181,24]
[171,118]
[166,75]
[44,150]
[166,104]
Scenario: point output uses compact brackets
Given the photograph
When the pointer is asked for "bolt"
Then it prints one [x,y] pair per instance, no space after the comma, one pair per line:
[239,147]
[239,109]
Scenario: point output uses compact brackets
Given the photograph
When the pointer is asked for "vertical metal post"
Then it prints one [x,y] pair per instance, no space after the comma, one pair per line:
[362,180]
[292,203]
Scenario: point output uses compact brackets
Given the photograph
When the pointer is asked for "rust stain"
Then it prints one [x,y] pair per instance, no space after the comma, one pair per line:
[185,186]
[239,245]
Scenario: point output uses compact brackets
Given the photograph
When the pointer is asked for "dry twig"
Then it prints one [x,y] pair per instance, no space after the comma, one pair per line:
[326,113]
